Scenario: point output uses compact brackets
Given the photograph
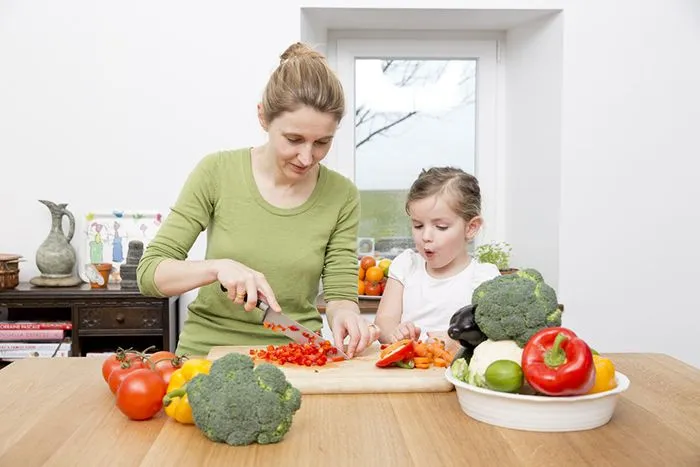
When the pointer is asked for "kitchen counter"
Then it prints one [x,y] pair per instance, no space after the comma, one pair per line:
[60,412]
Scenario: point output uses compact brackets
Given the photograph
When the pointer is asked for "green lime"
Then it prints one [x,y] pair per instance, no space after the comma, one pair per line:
[504,376]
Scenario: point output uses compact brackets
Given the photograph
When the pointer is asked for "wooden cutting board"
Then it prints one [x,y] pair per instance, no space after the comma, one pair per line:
[358,375]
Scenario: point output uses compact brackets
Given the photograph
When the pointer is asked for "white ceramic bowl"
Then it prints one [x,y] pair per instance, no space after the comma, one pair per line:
[538,413]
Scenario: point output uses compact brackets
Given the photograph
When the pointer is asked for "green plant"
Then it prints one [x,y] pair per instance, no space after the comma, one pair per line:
[497,253]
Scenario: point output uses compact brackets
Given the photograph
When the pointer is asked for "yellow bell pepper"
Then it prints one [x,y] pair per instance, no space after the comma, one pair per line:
[175,402]
[604,375]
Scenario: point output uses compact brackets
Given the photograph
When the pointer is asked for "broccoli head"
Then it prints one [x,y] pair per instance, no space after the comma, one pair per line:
[240,404]
[515,306]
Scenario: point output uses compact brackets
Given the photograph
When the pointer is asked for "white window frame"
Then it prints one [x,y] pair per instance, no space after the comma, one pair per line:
[489,154]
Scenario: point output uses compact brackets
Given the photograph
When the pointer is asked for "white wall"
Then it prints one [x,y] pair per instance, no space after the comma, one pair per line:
[533,102]
[109,106]
[629,217]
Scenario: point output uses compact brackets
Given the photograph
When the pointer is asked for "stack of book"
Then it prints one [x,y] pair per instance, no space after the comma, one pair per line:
[27,339]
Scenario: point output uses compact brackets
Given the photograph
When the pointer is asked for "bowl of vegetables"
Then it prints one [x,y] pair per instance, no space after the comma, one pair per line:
[533,412]
[554,383]
[519,368]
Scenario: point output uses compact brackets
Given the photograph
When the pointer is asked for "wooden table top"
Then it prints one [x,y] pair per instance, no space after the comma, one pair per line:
[60,412]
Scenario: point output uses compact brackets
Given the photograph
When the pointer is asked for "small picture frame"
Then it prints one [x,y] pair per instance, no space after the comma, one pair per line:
[106,237]
[365,246]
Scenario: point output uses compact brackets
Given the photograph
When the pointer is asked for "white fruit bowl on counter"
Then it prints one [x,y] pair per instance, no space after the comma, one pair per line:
[538,413]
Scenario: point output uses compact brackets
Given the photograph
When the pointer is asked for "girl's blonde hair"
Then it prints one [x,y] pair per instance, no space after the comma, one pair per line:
[303,78]
[462,190]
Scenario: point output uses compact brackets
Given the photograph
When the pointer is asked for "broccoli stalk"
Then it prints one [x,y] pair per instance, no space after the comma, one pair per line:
[240,404]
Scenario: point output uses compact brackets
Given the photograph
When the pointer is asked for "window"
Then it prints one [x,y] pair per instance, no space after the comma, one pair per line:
[413,104]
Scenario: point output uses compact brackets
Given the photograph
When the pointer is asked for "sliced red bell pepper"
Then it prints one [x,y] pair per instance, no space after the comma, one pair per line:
[397,352]
[556,362]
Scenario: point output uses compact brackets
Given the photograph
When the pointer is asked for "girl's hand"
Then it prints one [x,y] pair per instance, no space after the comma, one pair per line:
[239,280]
[406,330]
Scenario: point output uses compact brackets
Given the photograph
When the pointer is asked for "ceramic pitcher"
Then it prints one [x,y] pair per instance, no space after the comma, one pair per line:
[55,257]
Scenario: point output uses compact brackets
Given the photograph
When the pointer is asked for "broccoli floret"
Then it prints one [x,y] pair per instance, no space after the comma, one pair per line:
[271,378]
[240,404]
[515,306]
[532,274]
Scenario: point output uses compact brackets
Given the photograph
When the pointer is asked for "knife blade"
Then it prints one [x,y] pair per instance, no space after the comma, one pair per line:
[289,327]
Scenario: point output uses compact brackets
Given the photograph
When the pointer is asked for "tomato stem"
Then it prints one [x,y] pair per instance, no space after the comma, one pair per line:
[175,361]
[147,349]
[123,354]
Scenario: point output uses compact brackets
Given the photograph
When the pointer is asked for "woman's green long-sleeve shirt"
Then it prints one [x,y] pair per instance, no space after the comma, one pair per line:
[293,248]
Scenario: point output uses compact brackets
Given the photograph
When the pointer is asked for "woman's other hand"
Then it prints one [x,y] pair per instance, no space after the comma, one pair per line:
[406,330]
[349,323]
[239,280]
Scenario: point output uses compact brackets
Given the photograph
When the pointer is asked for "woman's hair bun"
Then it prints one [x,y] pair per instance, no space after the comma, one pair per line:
[300,50]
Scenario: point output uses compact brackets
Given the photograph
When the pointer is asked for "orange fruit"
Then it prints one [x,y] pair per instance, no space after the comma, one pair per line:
[374,274]
[367,262]
[360,287]
[361,274]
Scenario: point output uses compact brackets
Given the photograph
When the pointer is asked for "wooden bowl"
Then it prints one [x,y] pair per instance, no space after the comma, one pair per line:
[9,271]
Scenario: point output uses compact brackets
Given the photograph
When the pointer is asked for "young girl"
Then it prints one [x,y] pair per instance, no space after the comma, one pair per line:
[426,288]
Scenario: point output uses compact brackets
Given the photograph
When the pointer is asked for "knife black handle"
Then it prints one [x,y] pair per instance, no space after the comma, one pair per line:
[260,304]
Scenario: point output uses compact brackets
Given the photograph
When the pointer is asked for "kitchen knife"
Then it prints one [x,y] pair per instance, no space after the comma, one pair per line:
[288,326]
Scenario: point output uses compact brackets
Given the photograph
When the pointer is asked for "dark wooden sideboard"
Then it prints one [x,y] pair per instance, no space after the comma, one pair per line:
[102,319]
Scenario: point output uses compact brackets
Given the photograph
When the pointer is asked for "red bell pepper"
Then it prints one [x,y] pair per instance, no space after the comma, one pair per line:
[556,362]
[396,352]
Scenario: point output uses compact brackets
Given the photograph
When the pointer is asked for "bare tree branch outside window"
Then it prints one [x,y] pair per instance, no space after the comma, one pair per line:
[403,73]
[383,209]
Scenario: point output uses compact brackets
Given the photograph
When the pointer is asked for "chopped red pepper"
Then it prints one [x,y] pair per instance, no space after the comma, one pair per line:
[276,327]
[556,362]
[311,353]
[308,354]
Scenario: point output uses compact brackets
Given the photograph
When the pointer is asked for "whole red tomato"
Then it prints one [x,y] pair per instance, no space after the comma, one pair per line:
[165,363]
[166,373]
[140,396]
[117,376]
[115,360]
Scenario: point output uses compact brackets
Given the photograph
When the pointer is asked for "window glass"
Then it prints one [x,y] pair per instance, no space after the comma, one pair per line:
[408,115]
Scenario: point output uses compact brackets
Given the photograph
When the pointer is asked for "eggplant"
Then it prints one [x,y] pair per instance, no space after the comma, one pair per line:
[463,328]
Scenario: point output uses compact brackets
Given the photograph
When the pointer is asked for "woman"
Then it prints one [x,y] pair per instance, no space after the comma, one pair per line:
[277,221]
